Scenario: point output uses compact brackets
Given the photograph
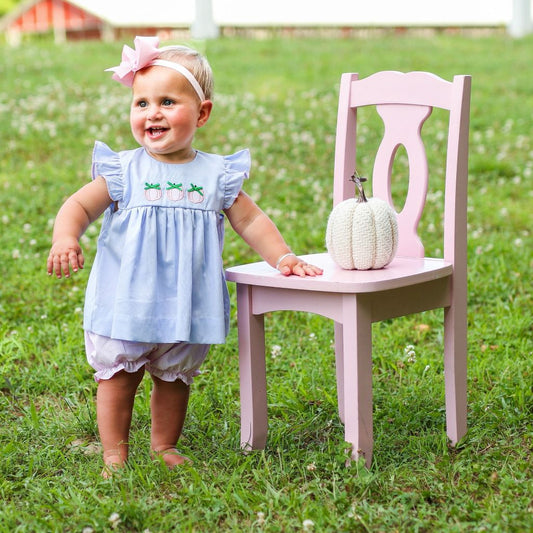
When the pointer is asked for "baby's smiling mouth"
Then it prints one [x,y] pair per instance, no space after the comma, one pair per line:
[156,131]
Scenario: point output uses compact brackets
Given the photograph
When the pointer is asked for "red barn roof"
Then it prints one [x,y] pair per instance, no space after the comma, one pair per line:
[102,19]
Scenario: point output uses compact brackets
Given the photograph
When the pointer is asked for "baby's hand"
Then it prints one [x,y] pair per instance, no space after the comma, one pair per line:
[294,265]
[65,254]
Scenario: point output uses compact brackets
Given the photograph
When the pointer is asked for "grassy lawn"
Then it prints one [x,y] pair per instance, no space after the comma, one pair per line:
[279,98]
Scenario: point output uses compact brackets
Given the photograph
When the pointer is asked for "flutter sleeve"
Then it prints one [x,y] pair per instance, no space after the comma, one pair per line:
[237,169]
[106,163]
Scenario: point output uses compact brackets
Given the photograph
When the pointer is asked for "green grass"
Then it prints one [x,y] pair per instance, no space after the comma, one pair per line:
[279,98]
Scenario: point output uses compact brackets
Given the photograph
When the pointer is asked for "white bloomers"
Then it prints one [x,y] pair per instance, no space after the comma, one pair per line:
[168,362]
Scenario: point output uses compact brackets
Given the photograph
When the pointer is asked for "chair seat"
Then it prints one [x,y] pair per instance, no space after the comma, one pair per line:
[401,272]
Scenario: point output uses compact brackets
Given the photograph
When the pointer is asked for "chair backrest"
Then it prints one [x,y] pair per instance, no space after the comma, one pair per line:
[404,101]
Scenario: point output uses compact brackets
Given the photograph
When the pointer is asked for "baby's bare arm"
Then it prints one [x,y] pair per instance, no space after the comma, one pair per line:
[258,230]
[82,208]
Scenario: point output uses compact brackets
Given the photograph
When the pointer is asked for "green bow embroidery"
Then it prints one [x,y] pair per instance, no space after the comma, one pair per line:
[152,186]
[197,189]
[174,186]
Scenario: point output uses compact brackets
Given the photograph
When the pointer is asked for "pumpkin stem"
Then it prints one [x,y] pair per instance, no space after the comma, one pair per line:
[358,180]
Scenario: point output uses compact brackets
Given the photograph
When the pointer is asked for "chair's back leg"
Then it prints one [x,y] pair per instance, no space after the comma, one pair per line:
[455,380]
[339,368]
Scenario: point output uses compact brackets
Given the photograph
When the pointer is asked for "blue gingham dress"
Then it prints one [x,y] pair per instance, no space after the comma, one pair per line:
[158,274]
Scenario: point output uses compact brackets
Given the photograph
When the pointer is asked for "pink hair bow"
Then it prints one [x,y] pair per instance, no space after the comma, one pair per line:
[146,50]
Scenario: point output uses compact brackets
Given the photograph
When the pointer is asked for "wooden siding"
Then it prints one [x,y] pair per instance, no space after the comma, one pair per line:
[47,14]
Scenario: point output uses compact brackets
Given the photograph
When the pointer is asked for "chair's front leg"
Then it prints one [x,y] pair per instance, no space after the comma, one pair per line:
[252,371]
[357,367]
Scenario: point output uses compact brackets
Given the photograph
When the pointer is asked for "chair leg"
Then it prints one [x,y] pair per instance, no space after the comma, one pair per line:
[357,367]
[252,370]
[339,369]
[455,380]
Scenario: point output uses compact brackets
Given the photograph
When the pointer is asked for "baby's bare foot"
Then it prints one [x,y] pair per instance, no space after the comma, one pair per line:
[171,457]
[113,461]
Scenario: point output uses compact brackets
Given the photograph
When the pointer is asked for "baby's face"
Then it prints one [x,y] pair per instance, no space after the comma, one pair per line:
[165,113]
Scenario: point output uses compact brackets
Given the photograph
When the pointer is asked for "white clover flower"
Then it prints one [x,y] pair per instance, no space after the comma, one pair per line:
[308,525]
[260,518]
[276,350]
[311,467]
[410,353]
[15,254]
[114,520]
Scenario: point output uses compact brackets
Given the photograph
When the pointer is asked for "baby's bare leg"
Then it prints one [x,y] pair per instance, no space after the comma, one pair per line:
[169,406]
[114,407]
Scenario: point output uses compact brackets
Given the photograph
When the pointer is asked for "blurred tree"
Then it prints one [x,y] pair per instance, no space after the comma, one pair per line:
[7,5]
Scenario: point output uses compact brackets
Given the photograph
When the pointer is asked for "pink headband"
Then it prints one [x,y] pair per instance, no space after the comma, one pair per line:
[145,54]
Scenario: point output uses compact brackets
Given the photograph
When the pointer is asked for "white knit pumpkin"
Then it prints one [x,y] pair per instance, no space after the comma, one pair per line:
[362,234]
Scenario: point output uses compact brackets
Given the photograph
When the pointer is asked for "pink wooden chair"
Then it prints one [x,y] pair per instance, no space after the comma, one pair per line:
[355,299]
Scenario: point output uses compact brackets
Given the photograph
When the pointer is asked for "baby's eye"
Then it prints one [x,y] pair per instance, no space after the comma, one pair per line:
[167,102]
[142,103]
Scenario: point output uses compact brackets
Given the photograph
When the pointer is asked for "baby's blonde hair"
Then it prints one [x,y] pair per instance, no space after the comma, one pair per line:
[193,61]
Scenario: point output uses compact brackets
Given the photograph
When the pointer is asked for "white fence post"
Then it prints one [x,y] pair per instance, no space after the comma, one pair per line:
[520,24]
[203,26]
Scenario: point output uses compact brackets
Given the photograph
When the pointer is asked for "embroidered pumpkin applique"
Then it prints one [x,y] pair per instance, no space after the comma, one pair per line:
[175,191]
[152,191]
[195,194]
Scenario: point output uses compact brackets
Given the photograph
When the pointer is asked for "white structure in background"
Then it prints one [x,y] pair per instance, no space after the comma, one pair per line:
[203,26]
[363,13]
[204,19]
[520,24]
[513,14]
